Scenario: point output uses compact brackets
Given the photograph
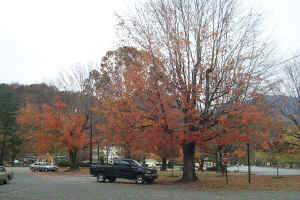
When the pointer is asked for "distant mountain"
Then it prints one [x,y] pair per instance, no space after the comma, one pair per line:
[36,93]
[286,105]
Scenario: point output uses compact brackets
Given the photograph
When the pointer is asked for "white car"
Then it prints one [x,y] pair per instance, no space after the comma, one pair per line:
[46,167]
[35,166]
[5,176]
[49,167]
[43,167]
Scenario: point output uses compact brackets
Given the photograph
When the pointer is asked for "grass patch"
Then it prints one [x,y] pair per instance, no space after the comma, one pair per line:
[276,177]
[237,181]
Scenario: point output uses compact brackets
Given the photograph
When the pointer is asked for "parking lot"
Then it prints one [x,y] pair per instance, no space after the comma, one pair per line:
[29,186]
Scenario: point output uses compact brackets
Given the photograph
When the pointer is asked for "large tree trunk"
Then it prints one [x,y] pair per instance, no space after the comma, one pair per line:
[221,167]
[164,164]
[189,174]
[73,160]
[201,164]
[219,160]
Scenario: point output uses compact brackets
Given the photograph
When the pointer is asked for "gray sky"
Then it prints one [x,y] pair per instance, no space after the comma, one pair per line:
[40,38]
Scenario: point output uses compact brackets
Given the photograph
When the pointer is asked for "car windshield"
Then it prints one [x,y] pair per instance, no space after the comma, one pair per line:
[137,163]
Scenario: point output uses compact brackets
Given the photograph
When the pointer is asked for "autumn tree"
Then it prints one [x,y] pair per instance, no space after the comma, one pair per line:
[171,150]
[74,137]
[254,123]
[135,106]
[53,128]
[78,89]
[212,54]
[114,100]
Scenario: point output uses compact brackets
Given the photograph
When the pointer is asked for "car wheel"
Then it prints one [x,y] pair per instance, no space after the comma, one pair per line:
[140,179]
[5,181]
[100,178]
[112,179]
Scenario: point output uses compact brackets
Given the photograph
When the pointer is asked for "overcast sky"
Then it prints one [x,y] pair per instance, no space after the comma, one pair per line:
[40,38]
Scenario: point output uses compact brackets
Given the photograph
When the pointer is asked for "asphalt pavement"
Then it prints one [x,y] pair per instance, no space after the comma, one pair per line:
[26,186]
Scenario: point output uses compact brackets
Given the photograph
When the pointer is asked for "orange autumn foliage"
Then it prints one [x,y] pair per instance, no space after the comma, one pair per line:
[52,128]
[142,111]
[253,122]
[73,136]
[137,113]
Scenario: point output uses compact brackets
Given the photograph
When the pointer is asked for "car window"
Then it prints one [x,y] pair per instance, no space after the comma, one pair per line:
[2,169]
[123,162]
[136,163]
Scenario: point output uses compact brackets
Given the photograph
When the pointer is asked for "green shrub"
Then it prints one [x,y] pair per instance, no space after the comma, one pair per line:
[63,163]
[84,164]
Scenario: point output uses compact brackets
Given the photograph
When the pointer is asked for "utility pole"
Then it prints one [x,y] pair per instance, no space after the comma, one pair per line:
[249,170]
[98,151]
[91,139]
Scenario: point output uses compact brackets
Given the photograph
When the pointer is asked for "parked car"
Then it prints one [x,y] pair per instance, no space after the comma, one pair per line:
[29,158]
[43,167]
[35,166]
[49,167]
[18,162]
[5,176]
[85,163]
[126,168]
